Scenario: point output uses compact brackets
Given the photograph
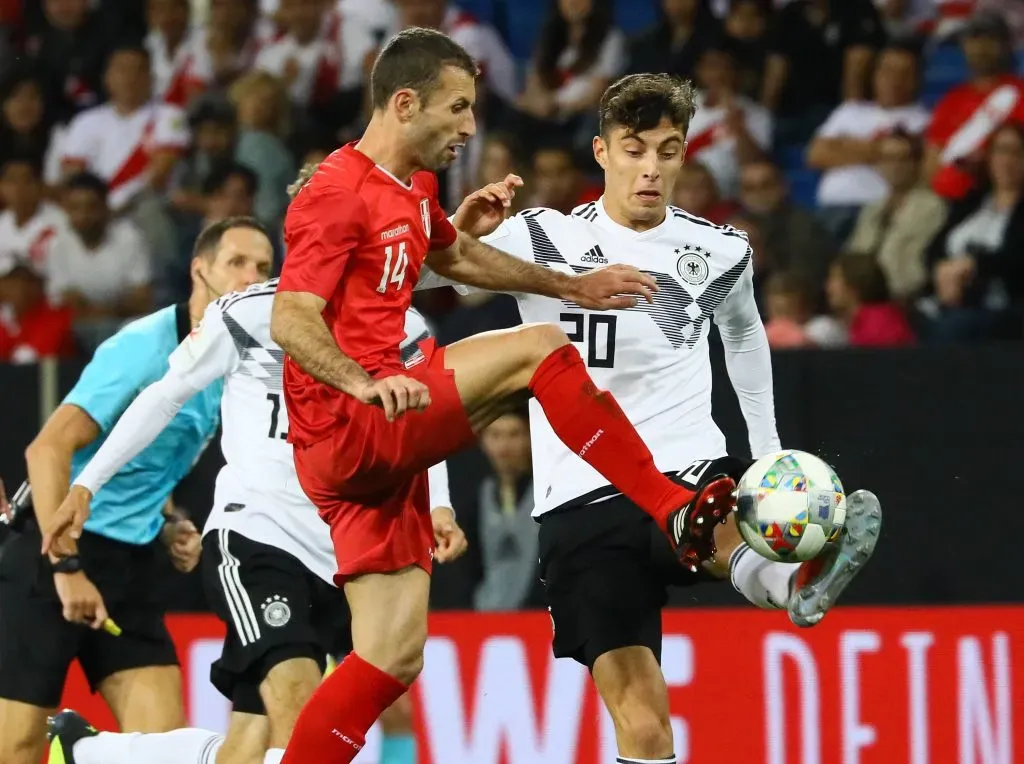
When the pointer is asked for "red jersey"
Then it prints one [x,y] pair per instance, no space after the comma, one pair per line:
[962,124]
[43,332]
[357,237]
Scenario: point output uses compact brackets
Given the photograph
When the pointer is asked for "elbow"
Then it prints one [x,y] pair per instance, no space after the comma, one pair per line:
[278,334]
[43,450]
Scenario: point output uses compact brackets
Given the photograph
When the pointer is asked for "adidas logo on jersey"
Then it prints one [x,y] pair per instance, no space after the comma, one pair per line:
[594,255]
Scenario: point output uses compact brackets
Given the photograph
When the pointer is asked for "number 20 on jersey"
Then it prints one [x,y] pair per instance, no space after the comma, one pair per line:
[394,267]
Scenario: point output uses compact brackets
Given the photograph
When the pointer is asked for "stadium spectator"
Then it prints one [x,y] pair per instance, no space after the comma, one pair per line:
[847,148]
[898,229]
[1013,13]
[728,130]
[821,54]
[792,236]
[28,223]
[746,33]
[976,261]
[98,267]
[24,124]
[213,130]
[790,298]
[179,66]
[379,17]
[30,328]
[906,18]
[676,41]
[231,39]
[263,121]
[68,50]
[578,54]
[133,145]
[506,537]
[697,193]
[968,116]
[500,156]
[557,181]
[859,297]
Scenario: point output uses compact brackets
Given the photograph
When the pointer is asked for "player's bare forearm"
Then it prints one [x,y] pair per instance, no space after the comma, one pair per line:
[470,261]
[48,459]
[297,325]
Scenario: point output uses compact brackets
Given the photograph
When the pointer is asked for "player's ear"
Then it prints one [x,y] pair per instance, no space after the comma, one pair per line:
[601,152]
[406,103]
[683,157]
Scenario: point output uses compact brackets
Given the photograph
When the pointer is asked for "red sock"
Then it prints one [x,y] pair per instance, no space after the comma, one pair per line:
[590,422]
[333,724]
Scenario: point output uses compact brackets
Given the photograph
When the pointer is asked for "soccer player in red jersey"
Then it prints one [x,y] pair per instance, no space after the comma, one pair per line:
[366,426]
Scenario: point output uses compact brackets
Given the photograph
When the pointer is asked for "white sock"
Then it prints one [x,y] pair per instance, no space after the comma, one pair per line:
[184,746]
[763,582]
[624,760]
[274,756]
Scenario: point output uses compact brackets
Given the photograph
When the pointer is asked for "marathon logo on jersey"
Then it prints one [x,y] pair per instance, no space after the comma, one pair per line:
[589,443]
[391,233]
[594,255]
[425,214]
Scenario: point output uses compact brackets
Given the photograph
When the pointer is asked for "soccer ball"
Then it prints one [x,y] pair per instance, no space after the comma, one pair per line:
[788,505]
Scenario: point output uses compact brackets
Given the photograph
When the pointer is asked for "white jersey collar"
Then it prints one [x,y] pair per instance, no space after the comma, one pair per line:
[602,219]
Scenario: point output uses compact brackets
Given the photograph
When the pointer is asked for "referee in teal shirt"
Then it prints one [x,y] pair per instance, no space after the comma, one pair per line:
[52,609]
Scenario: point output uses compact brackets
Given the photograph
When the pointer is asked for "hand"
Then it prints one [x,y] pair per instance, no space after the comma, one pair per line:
[80,599]
[450,538]
[483,211]
[67,522]
[609,288]
[184,544]
[395,395]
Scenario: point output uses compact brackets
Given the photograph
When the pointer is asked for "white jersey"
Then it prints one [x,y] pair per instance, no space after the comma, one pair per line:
[653,357]
[257,493]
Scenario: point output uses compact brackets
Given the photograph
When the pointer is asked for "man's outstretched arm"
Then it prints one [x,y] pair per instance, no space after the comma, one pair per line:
[297,325]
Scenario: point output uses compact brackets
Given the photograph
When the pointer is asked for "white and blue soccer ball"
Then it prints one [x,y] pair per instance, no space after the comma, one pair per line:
[789,505]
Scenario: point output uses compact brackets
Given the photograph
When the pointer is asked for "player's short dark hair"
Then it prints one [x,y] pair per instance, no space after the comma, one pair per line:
[24,160]
[128,46]
[414,59]
[209,238]
[87,181]
[639,102]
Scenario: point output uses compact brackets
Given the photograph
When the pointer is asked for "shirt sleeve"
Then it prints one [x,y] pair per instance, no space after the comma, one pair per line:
[612,60]
[208,353]
[321,233]
[78,142]
[139,426]
[748,362]
[437,477]
[171,129]
[836,124]
[122,367]
[138,263]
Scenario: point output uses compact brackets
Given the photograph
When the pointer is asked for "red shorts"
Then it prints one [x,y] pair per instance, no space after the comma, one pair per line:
[369,480]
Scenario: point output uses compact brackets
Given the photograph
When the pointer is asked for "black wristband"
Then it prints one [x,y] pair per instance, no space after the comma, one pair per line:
[70,564]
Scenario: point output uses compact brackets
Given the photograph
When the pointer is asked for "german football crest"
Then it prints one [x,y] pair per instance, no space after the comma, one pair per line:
[425,214]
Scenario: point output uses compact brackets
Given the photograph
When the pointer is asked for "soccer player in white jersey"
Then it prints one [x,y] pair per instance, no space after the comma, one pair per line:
[268,561]
[605,566]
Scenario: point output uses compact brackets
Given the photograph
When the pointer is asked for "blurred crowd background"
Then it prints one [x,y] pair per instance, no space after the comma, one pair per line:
[873,150]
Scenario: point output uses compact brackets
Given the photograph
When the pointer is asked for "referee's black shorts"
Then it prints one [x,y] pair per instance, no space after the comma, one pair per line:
[606,569]
[37,645]
[275,610]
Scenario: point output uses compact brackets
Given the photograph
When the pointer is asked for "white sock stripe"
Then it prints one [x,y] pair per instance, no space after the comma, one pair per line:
[734,559]
[246,625]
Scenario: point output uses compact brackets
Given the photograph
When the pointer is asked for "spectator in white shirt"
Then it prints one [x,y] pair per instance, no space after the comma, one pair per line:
[846,147]
[180,65]
[133,145]
[28,224]
[98,267]
[728,130]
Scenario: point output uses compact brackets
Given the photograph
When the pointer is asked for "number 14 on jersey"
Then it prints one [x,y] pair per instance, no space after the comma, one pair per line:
[394,267]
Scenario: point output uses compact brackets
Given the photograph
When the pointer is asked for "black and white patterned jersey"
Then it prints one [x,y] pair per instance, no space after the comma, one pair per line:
[653,357]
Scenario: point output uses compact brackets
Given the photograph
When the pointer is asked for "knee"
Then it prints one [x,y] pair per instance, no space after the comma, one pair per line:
[407,662]
[642,730]
[288,686]
[543,339]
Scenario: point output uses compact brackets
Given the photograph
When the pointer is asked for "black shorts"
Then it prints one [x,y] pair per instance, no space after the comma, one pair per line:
[606,569]
[37,645]
[275,610]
